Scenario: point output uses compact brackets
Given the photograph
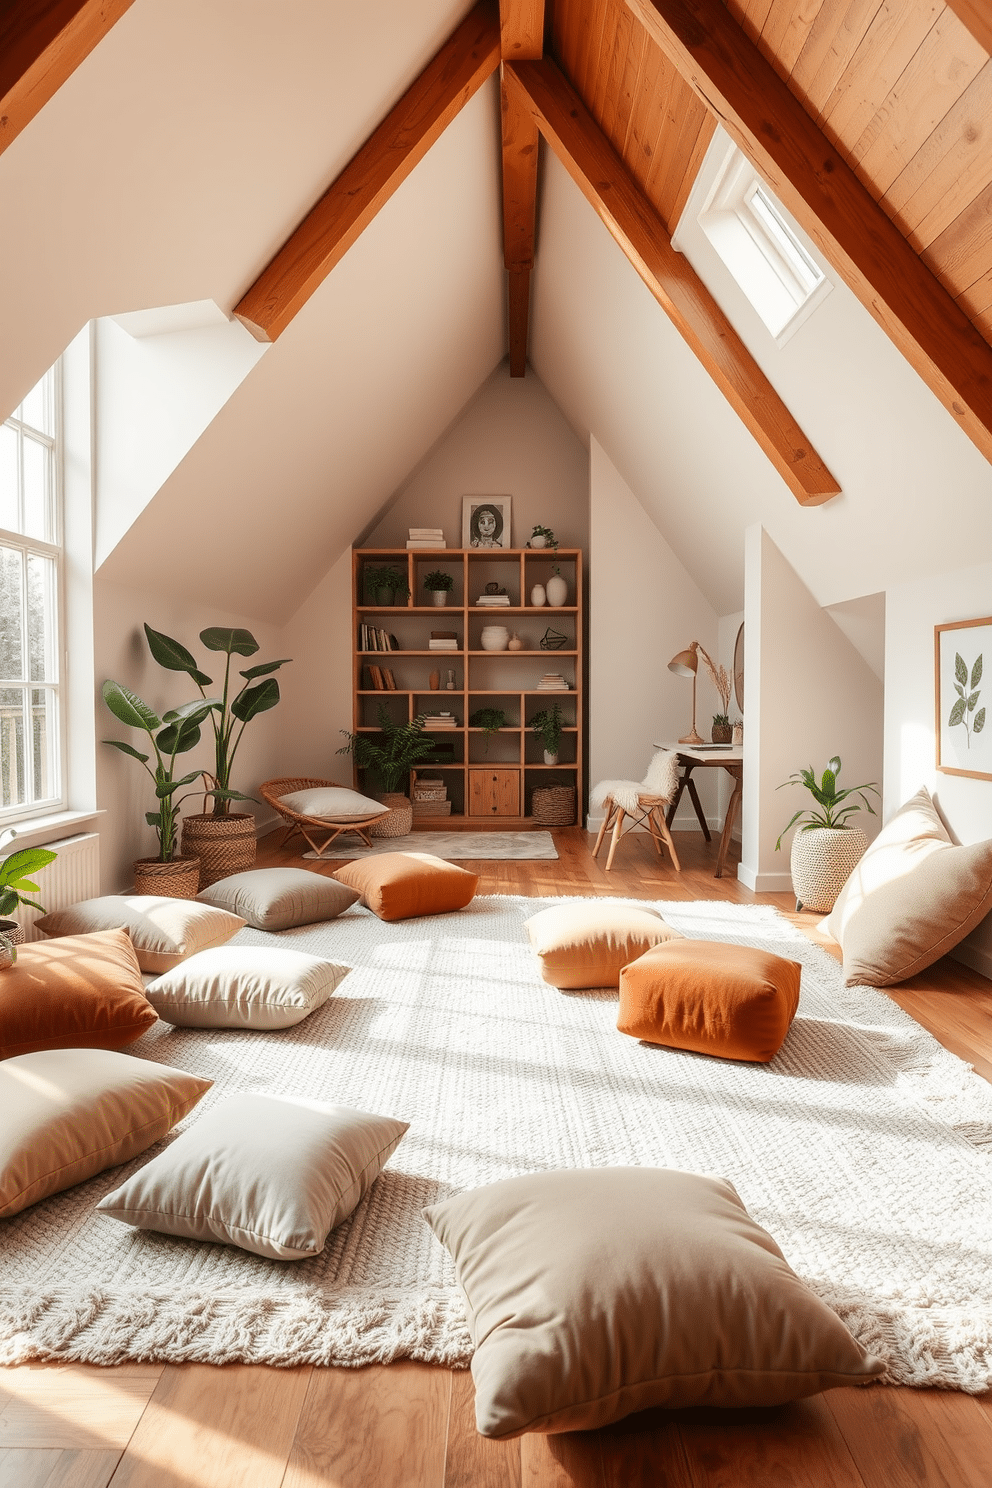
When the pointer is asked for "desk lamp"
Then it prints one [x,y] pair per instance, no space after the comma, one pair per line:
[686,664]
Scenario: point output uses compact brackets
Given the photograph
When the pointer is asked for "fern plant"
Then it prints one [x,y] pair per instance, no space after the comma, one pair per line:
[391,755]
[832,813]
[490,720]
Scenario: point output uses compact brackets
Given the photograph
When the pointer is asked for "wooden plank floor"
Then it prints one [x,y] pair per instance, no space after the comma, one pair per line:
[411,1426]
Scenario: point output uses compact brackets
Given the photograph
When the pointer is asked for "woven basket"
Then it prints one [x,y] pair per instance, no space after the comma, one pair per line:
[822,861]
[400,819]
[175,880]
[13,931]
[223,844]
[554,805]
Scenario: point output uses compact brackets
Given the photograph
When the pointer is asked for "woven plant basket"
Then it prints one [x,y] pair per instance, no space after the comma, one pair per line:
[400,818]
[553,805]
[223,844]
[13,931]
[175,880]
[822,861]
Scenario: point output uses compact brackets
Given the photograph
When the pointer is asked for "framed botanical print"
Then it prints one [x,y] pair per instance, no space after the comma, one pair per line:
[486,522]
[963,667]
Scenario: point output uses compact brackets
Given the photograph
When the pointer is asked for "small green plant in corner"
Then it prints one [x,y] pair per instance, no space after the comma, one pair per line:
[548,726]
[391,755]
[832,812]
[15,881]
[490,720]
[721,720]
[968,692]
[386,579]
[437,579]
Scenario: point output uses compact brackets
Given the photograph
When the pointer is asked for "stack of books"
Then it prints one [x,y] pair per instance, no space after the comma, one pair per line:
[435,721]
[426,537]
[430,797]
[443,640]
[552,682]
[373,638]
[381,679]
[493,599]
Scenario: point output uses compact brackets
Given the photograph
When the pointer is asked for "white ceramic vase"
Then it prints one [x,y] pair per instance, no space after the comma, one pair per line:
[538,542]
[557,591]
[550,759]
[495,638]
[440,596]
[822,861]
[537,595]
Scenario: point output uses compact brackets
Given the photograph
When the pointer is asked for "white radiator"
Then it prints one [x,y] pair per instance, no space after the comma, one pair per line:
[74,875]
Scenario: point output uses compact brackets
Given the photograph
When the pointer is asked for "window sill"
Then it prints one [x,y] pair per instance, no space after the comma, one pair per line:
[35,831]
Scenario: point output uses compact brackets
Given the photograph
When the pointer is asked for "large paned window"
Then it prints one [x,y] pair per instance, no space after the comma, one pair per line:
[30,605]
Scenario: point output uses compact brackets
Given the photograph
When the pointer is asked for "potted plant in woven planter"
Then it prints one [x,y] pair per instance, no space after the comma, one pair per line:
[390,756]
[222,839]
[826,849]
[15,881]
[169,875]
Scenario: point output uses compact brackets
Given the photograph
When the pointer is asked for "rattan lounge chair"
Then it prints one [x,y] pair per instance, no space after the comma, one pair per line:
[319,827]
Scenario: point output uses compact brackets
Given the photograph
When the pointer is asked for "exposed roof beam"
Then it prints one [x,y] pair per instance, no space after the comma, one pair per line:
[771,126]
[521,39]
[369,179]
[42,42]
[606,183]
[977,17]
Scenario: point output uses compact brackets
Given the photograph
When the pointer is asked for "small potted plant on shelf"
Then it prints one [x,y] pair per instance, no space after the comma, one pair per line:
[390,757]
[168,875]
[548,726]
[384,580]
[490,720]
[440,584]
[826,849]
[543,537]
[15,881]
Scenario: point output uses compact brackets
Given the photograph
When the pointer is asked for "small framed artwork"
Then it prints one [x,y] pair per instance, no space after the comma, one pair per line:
[963,668]
[486,522]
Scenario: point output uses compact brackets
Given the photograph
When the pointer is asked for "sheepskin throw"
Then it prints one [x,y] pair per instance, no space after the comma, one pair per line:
[661,780]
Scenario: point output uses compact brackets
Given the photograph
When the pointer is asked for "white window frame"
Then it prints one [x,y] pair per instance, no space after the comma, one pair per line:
[28,546]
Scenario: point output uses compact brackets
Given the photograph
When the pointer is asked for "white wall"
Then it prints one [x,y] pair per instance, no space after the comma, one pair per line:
[912,611]
[643,608]
[317,698]
[808,695]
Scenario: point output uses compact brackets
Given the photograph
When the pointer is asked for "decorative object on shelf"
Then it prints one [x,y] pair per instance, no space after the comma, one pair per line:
[486,522]
[739,669]
[553,806]
[738,733]
[494,638]
[490,720]
[384,580]
[15,882]
[963,746]
[450,684]
[825,850]
[514,643]
[556,590]
[686,664]
[390,758]
[553,682]
[538,596]
[543,537]
[494,595]
[440,584]
[426,537]
[553,640]
[548,726]
[434,681]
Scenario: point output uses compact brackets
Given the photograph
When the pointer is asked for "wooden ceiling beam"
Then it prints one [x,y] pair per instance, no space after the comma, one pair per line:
[42,42]
[456,73]
[773,129]
[521,40]
[977,17]
[609,187]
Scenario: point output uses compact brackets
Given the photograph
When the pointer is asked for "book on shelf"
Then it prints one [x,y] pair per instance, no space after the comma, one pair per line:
[553,682]
[378,682]
[415,532]
[444,635]
[389,679]
[442,646]
[493,600]
[420,542]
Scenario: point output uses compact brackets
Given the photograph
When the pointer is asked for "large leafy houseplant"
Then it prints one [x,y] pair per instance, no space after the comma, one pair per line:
[178,733]
[392,753]
[833,812]
[231,713]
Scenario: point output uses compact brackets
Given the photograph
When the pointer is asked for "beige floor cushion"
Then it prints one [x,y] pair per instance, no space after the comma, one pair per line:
[911,899]
[163,931]
[70,1113]
[279,898]
[588,945]
[597,1293]
[244,987]
[333,803]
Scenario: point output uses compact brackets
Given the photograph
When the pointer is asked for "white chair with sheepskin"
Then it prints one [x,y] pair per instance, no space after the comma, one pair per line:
[639,802]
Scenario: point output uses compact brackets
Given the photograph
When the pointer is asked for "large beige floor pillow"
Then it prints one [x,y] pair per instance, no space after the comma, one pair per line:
[911,899]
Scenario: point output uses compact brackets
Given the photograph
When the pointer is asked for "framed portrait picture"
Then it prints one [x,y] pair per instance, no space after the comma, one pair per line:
[963,666]
[486,522]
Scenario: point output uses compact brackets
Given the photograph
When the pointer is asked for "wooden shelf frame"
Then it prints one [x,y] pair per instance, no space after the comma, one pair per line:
[477,670]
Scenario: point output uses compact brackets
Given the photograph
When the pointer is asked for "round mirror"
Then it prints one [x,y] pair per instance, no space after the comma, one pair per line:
[739,669]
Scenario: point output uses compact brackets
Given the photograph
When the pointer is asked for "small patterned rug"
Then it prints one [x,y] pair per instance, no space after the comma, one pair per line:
[456,846]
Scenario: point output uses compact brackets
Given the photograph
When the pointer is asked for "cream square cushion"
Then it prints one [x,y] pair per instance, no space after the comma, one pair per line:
[595,1293]
[279,898]
[335,802]
[271,1176]
[70,1113]
[911,899]
[588,945]
[163,931]
[244,987]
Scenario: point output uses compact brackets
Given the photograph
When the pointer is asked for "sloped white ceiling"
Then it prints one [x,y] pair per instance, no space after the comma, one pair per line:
[917,495]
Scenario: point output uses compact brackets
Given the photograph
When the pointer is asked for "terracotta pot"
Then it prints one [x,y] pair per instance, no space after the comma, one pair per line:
[822,861]
[175,880]
[223,844]
[400,818]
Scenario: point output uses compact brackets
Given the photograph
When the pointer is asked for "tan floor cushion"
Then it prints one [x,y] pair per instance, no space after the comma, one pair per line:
[400,886]
[588,945]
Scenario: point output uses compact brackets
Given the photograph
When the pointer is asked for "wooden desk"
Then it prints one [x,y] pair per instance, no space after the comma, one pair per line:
[729,758]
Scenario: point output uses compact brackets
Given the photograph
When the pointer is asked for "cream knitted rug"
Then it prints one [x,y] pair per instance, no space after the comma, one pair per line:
[455,846]
[864,1148]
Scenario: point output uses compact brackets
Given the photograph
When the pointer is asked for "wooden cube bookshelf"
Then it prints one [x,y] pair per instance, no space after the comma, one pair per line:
[490,776]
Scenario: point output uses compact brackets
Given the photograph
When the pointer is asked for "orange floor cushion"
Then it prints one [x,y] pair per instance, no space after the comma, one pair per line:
[400,886]
[713,998]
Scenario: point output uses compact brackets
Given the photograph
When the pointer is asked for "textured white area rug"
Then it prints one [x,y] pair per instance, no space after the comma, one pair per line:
[456,846]
[864,1148]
